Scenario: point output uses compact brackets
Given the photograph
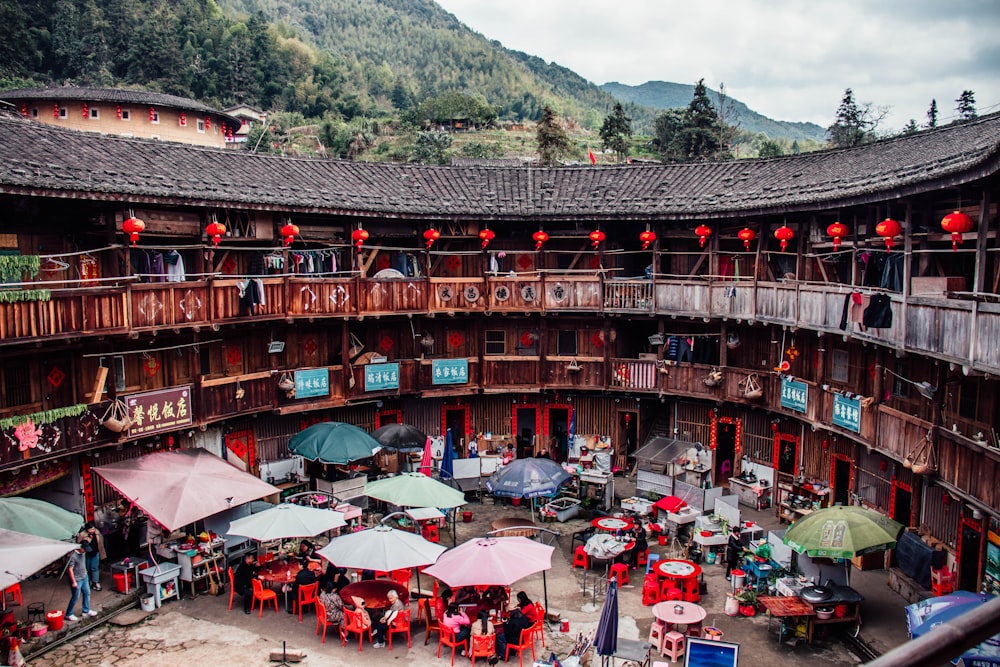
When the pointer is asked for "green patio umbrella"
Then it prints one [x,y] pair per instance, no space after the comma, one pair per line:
[414,489]
[842,532]
[333,442]
[39,518]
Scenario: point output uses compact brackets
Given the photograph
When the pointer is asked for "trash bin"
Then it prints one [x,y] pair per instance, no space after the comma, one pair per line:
[147,603]
[738,578]
[54,619]
[466,517]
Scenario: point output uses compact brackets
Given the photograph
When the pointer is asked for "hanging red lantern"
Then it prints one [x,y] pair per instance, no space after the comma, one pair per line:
[597,237]
[540,238]
[55,110]
[703,232]
[956,223]
[85,111]
[784,234]
[837,230]
[430,236]
[486,235]
[359,236]
[24,109]
[215,230]
[133,227]
[183,119]
[118,111]
[289,231]
[152,114]
[208,123]
[647,237]
[888,229]
[746,235]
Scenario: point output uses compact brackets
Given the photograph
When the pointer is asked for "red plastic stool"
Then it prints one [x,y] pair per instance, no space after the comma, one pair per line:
[942,581]
[673,646]
[580,558]
[642,558]
[619,570]
[656,634]
[671,594]
[650,593]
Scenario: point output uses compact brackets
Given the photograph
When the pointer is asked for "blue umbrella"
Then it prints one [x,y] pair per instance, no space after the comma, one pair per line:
[448,456]
[986,653]
[606,635]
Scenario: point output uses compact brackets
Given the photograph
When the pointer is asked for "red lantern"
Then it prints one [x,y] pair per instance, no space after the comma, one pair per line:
[784,234]
[837,230]
[703,232]
[208,123]
[957,223]
[486,235]
[183,119]
[289,231]
[540,238]
[597,237]
[746,235]
[430,236]
[359,236]
[118,111]
[215,230]
[887,229]
[152,114]
[55,110]
[86,111]
[647,237]
[132,227]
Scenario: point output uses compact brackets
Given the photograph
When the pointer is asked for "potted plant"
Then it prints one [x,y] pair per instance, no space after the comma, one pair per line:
[747,597]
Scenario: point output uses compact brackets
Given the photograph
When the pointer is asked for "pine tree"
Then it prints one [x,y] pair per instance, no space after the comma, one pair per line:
[911,127]
[932,114]
[553,142]
[966,105]
[616,132]
[700,136]
[849,128]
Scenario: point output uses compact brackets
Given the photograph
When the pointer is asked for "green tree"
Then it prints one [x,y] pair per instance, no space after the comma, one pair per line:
[911,127]
[553,142]
[700,134]
[966,105]
[665,128]
[770,148]
[616,132]
[932,114]
[431,148]
[849,129]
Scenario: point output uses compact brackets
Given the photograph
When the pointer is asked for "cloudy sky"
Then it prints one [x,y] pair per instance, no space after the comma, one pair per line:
[787,59]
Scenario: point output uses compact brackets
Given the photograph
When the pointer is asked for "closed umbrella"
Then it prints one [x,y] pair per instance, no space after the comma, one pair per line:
[401,437]
[426,465]
[333,442]
[22,555]
[381,548]
[286,521]
[39,518]
[448,456]
[606,635]
[414,490]
[842,532]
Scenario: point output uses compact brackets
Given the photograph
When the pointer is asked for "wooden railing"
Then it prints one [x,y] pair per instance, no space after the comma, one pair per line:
[67,313]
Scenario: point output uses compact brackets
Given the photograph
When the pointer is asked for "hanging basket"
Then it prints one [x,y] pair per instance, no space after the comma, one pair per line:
[656,339]
[574,366]
[356,348]
[921,459]
[116,417]
[733,341]
[714,378]
[751,387]
[286,383]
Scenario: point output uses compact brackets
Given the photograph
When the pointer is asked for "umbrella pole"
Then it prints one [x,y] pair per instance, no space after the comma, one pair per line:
[545,594]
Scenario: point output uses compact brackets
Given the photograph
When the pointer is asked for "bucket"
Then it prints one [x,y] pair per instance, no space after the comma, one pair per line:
[466,517]
[739,576]
[564,625]
[120,579]
[55,619]
[147,603]
[710,558]
[840,610]
[732,606]
[662,539]
[516,502]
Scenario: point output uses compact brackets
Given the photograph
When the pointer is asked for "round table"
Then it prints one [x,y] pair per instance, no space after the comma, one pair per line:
[679,613]
[684,573]
[374,592]
[613,523]
[277,572]
[513,526]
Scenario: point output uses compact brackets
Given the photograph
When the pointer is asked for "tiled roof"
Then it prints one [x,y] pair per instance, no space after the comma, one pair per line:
[77,164]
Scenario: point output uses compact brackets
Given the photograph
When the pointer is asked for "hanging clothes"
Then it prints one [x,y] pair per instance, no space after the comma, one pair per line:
[173,263]
[878,314]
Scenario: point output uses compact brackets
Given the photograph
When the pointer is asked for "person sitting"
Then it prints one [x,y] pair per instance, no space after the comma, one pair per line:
[335,575]
[307,551]
[543,454]
[457,622]
[508,454]
[527,607]
[441,603]
[243,578]
[330,598]
[304,577]
[639,535]
[385,620]
[483,627]
[515,626]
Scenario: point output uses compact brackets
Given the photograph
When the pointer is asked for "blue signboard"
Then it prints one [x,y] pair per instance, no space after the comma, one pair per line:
[381,376]
[312,383]
[794,394]
[847,413]
[449,371]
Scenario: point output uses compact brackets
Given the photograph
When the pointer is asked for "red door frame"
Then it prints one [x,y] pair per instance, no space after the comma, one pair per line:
[538,421]
[467,418]
[776,454]
[547,420]
[833,474]
[978,527]
[713,438]
[896,484]
[380,416]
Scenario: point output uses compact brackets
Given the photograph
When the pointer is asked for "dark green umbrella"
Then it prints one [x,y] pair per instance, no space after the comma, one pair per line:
[333,442]
[842,532]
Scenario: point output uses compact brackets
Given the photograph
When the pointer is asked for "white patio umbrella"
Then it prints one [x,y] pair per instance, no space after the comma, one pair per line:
[381,548]
[286,521]
[22,555]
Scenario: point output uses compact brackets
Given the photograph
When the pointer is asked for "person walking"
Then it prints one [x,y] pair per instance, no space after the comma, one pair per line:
[94,553]
[733,549]
[76,569]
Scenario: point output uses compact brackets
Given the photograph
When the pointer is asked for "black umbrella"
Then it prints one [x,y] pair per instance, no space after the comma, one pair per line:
[606,636]
[401,437]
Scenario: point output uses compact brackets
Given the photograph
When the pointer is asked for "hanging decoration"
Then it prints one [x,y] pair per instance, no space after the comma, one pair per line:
[25,295]
[456,339]
[784,234]
[45,417]
[597,339]
[486,235]
[24,109]
[85,111]
[702,232]
[647,237]
[55,110]
[233,355]
[888,229]
[385,344]
[956,224]
[746,235]
[215,231]
[430,236]
[55,377]
[837,230]
[289,232]
[133,227]
[596,237]
[310,347]
[540,237]
[27,436]
[152,114]
[151,365]
[359,236]
[118,111]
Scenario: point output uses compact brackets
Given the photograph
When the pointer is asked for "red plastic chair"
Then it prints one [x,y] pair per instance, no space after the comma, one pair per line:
[430,532]
[447,638]
[321,620]
[433,624]
[232,588]
[400,625]
[580,558]
[352,623]
[263,596]
[527,642]
[483,646]
[14,593]
[307,596]
[402,577]
[538,629]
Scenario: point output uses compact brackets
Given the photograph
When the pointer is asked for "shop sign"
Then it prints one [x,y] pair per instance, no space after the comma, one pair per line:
[847,412]
[794,394]
[991,574]
[381,376]
[312,382]
[449,371]
[159,411]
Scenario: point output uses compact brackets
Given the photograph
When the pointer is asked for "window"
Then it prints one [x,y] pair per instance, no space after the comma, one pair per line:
[496,342]
[840,373]
[566,343]
[125,115]
[118,370]
[201,125]
[34,112]
[16,384]
[62,112]
[95,113]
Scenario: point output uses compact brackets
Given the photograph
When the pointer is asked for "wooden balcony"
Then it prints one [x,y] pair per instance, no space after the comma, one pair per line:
[401,295]
[231,302]
[573,373]
[628,296]
[60,437]
[520,294]
[576,293]
[692,299]
[219,398]
[68,313]
[451,295]
[168,305]
[635,375]
[321,297]
[510,373]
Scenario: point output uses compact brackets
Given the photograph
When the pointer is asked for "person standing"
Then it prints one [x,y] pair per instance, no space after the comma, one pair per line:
[94,553]
[733,549]
[76,569]
[243,578]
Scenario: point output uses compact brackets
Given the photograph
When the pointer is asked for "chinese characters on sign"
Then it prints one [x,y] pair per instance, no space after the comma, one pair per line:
[847,412]
[313,382]
[158,411]
[381,376]
[450,371]
[794,394]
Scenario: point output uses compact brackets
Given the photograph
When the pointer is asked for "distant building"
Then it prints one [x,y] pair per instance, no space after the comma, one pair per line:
[248,116]
[129,113]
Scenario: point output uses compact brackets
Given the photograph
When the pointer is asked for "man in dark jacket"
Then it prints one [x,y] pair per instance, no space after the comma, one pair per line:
[243,578]
[733,549]
[304,577]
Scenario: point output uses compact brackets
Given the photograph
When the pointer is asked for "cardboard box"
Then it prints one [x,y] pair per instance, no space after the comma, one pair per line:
[936,286]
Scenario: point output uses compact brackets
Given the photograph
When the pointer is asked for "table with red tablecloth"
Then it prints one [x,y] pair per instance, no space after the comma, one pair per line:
[613,524]
[684,574]
[375,592]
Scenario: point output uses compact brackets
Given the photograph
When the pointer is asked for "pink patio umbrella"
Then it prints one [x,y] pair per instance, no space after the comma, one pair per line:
[425,460]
